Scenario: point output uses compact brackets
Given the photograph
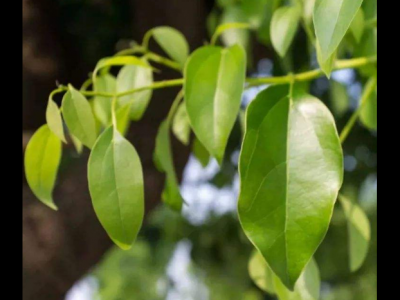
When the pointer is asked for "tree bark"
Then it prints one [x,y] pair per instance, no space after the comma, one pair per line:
[61,247]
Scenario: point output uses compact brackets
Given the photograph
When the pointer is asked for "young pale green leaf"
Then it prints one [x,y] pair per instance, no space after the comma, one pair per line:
[181,125]
[116,187]
[201,153]
[284,25]
[102,105]
[261,273]
[233,29]
[332,19]
[307,287]
[133,77]
[79,117]
[42,159]
[359,233]
[214,82]
[327,65]
[358,25]
[120,61]
[173,43]
[164,162]
[339,98]
[54,120]
[369,113]
[291,170]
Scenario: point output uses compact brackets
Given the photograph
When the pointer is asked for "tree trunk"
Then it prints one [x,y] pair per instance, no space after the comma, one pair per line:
[61,247]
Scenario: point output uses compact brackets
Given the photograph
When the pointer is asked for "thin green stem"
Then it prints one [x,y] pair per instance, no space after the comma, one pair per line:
[301,77]
[175,106]
[55,92]
[370,88]
[163,61]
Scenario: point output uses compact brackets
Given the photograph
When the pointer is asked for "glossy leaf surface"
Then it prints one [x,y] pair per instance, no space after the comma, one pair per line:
[291,169]
[116,187]
[359,229]
[214,82]
[332,19]
[79,117]
[284,25]
[133,77]
[42,159]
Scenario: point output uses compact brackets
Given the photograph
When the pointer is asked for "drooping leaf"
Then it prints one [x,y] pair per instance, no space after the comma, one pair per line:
[327,65]
[77,144]
[369,110]
[181,125]
[332,19]
[214,82]
[261,273]
[102,105]
[358,25]
[359,229]
[284,25]
[369,113]
[79,117]
[164,162]
[54,120]
[123,118]
[291,169]
[307,287]
[201,153]
[233,29]
[42,159]
[173,43]
[264,32]
[133,77]
[339,98]
[116,187]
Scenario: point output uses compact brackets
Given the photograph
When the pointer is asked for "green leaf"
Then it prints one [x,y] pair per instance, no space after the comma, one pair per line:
[181,125]
[77,144]
[261,273]
[358,25]
[359,229]
[327,65]
[284,25]
[164,162]
[123,118]
[233,29]
[119,61]
[54,120]
[264,32]
[42,159]
[116,187]
[133,77]
[308,10]
[79,117]
[291,170]
[102,105]
[339,98]
[254,11]
[173,43]
[369,112]
[332,19]
[307,287]
[214,82]
[226,3]
[201,153]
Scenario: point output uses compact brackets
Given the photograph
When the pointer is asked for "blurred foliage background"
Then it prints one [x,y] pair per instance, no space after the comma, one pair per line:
[203,253]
